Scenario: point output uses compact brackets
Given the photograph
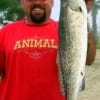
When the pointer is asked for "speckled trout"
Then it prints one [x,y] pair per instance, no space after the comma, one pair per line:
[72,45]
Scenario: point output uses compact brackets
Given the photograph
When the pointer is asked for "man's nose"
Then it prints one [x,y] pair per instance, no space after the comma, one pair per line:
[37,1]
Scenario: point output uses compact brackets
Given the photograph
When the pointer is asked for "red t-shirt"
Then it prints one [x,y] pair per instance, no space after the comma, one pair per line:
[28,60]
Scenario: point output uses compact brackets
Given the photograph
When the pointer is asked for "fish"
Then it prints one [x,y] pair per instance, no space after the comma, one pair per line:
[72,49]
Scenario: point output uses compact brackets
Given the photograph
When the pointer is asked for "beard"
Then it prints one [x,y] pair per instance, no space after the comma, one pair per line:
[38,18]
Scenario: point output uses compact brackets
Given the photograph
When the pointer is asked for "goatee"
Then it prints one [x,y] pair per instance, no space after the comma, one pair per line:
[38,18]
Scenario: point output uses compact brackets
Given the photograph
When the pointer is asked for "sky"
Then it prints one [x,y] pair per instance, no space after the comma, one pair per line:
[56,10]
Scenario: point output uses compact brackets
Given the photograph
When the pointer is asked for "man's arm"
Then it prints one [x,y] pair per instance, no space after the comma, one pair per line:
[91,53]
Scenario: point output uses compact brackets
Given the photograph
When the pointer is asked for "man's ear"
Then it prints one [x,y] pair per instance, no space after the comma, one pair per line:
[22,3]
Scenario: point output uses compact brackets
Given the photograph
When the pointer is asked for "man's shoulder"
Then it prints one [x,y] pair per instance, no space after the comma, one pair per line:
[12,25]
[54,23]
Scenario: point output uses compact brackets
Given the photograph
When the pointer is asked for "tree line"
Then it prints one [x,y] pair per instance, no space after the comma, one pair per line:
[10,10]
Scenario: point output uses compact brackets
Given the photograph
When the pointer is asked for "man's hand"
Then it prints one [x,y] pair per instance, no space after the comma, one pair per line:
[91,52]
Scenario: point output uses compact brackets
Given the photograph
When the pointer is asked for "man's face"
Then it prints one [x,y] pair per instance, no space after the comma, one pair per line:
[37,11]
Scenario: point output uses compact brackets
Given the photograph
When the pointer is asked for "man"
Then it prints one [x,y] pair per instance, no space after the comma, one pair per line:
[28,51]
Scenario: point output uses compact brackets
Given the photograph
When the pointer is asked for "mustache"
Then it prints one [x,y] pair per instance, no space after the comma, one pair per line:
[37,6]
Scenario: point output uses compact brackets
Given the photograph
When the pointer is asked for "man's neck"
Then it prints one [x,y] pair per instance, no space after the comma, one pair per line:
[28,21]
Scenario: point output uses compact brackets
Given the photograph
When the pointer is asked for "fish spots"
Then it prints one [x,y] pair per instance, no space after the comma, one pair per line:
[82,73]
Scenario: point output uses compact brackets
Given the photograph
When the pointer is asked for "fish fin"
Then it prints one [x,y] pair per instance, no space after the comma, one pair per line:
[82,86]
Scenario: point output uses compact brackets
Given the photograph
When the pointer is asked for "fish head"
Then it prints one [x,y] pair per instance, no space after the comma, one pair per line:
[78,5]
